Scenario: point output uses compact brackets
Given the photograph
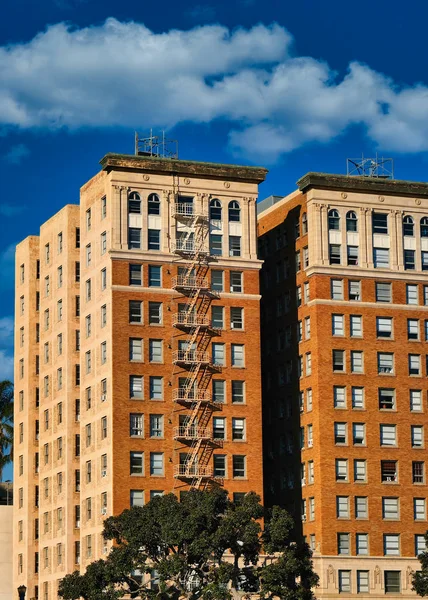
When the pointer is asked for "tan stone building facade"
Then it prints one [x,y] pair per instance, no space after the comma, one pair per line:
[344,337]
[137,355]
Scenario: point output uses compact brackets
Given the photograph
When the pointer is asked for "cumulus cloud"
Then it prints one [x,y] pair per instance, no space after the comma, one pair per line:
[16,154]
[123,74]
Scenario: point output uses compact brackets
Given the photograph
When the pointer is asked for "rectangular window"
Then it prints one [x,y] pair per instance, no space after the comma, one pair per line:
[136,349]
[238,429]
[341,469]
[154,239]
[236,281]
[339,395]
[234,245]
[389,473]
[419,509]
[362,543]
[236,318]
[219,461]
[156,388]
[355,291]
[218,355]
[409,260]
[238,466]
[217,317]
[418,471]
[155,351]
[238,356]
[361,507]
[357,397]
[136,386]
[357,361]
[417,436]
[386,399]
[135,311]
[381,258]
[218,387]
[219,428]
[103,243]
[412,329]
[103,279]
[88,255]
[380,223]
[156,463]
[383,292]
[359,434]
[344,580]
[135,274]
[343,543]
[136,425]
[385,362]
[103,315]
[155,276]
[137,498]
[104,429]
[337,325]
[340,436]
[136,463]
[103,348]
[412,294]
[415,400]
[216,245]
[356,325]
[155,313]
[134,238]
[392,582]
[334,254]
[217,280]
[352,255]
[414,364]
[339,361]
[342,507]
[424,261]
[391,544]
[388,435]
[156,426]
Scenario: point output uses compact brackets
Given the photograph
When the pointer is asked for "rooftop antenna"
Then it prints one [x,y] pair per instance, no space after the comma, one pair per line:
[155,145]
[381,168]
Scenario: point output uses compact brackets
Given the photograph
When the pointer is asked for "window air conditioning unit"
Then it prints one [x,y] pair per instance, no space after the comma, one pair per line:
[104,473]
[390,478]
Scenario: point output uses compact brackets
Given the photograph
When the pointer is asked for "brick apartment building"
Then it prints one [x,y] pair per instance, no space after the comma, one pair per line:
[137,354]
[344,318]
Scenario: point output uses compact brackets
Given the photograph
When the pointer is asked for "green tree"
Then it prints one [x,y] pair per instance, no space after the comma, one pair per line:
[6,425]
[203,546]
[420,578]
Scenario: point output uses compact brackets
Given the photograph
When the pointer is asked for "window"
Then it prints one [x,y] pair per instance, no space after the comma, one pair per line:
[77,309]
[334,254]
[88,361]
[343,543]
[217,280]
[412,294]
[154,239]
[88,325]
[339,394]
[103,279]
[155,313]
[153,204]
[238,393]
[352,255]
[137,498]
[234,211]
[340,436]
[380,223]
[418,471]
[389,472]
[103,207]
[155,351]
[307,328]
[344,580]
[135,311]
[236,318]
[359,434]
[385,362]
[357,361]
[216,244]
[409,260]
[419,509]
[88,255]
[136,463]
[308,357]
[361,507]
[136,425]
[156,426]
[342,507]
[424,260]
[135,274]
[337,325]
[236,284]
[408,226]
[306,290]
[217,317]
[357,397]
[219,461]
[356,325]
[238,429]
[390,508]
[415,400]
[381,258]
[238,466]
[103,242]
[136,349]
[238,357]
[136,386]
[215,210]
[103,348]
[391,544]
[156,388]
[361,543]
[339,360]
[392,581]
[234,245]
[412,329]
[383,292]
[134,238]
[388,435]
[341,469]
[219,428]
[414,364]
[218,387]
[333,220]
[386,399]
[297,261]
[304,224]
[337,289]
[218,356]
[351,221]
[156,463]
[155,276]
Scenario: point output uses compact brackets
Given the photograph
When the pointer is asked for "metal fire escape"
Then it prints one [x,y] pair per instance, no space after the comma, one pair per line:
[193,391]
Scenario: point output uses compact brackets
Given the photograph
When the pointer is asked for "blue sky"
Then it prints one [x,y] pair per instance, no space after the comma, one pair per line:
[294,86]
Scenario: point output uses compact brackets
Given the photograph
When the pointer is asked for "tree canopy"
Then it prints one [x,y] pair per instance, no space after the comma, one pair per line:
[420,578]
[203,546]
[6,425]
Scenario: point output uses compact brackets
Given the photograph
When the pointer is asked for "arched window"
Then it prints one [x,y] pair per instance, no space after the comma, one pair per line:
[153,204]
[424,227]
[234,211]
[215,210]
[351,221]
[304,223]
[134,203]
[333,219]
[408,226]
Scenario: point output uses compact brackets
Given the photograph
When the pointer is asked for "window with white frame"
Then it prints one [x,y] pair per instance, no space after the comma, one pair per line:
[357,397]
[412,329]
[385,361]
[238,357]
[343,543]
[218,354]
[356,325]
[309,399]
[384,327]
[156,388]
[420,544]
[412,294]
[390,508]
[361,543]
[136,349]
[419,509]
[311,476]
[137,498]
[307,328]
[414,364]
[342,507]
[136,425]
[308,360]
[341,469]
[156,426]
[363,582]
[357,362]
[311,509]
[136,463]
[391,544]
[337,325]
[361,507]
[337,289]
[416,400]
[103,242]
[354,291]
[344,579]
[383,292]
[388,435]
[359,434]
[339,360]
[417,436]
[339,395]
[155,351]
[381,258]
[340,436]
[386,398]
[136,386]
[103,347]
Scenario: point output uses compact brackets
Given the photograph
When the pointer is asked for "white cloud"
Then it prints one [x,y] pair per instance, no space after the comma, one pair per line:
[6,366]
[6,331]
[122,74]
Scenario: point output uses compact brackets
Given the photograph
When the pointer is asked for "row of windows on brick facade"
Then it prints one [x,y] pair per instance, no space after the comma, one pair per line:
[381,258]
[385,363]
[154,277]
[388,435]
[388,471]
[363,582]
[391,544]
[379,222]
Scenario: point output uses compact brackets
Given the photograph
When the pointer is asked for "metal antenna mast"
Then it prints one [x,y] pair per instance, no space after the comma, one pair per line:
[155,145]
[382,168]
